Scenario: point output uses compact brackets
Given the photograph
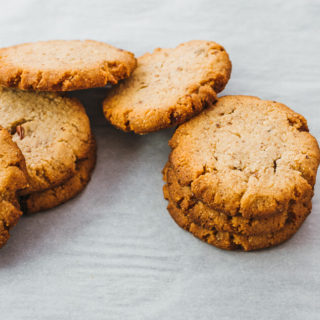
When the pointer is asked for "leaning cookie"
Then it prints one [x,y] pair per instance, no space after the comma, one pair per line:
[40,201]
[13,178]
[168,87]
[53,133]
[61,65]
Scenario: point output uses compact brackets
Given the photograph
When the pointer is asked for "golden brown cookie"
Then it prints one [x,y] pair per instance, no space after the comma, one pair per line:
[13,178]
[168,87]
[202,215]
[40,201]
[231,241]
[53,133]
[62,65]
[246,157]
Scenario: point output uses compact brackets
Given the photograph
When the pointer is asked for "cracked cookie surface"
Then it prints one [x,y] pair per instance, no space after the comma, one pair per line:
[208,218]
[13,178]
[168,87]
[245,156]
[232,241]
[63,65]
[40,201]
[53,133]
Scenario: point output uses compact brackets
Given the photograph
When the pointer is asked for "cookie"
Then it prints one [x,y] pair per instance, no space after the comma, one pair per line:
[232,241]
[62,65]
[53,133]
[206,217]
[168,87]
[13,178]
[246,157]
[241,174]
[40,201]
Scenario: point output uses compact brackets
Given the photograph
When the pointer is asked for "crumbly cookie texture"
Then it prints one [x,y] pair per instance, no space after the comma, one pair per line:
[13,177]
[208,218]
[62,65]
[168,87]
[248,157]
[40,201]
[232,241]
[53,133]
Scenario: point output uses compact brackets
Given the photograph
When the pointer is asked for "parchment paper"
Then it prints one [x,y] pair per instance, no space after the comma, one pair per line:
[114,252]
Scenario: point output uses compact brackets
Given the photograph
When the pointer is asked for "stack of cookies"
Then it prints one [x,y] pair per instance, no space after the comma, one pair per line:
[48,150]
[240,174]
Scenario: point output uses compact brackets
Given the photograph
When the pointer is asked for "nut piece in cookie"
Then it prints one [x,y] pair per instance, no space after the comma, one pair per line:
[53,133]
[63,65]
[13,178]
[168,87]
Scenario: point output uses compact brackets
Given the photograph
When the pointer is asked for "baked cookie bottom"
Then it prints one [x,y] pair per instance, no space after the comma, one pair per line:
[48,199]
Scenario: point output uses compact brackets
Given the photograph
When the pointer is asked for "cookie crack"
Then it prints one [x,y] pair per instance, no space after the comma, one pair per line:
[16,79]
[298,124]
[108,76]
[275,164]
[127,122]
[5,227]
[42,175]
[196,200]
[290,219]
[212,232]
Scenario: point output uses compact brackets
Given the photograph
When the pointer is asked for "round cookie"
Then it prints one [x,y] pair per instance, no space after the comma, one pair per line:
[168,87]
[40,201]
[62,65]
[53,133]
[232,241]
[246,157]
[13,178]
[202,215]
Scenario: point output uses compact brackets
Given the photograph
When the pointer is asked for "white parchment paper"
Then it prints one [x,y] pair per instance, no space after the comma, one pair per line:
[114,252]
